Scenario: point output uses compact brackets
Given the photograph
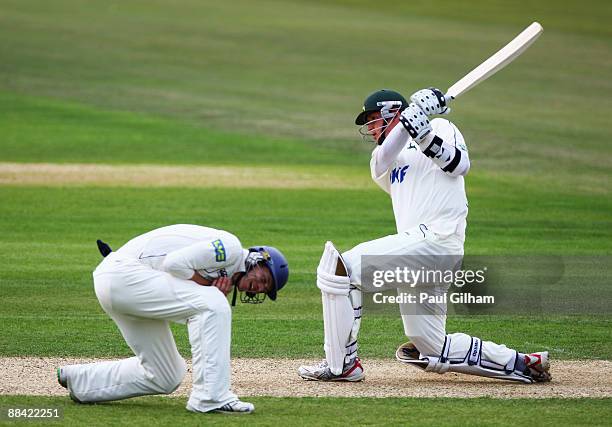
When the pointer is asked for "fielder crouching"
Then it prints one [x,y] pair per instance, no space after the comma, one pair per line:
[179,273]
[421,165]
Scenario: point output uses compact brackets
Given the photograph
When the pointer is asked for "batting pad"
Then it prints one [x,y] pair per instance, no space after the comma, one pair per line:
[338,311]
[351,347]
[468,355]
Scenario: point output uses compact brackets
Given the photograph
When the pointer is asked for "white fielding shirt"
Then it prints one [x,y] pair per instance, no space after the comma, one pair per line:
[182,248]
[421,192]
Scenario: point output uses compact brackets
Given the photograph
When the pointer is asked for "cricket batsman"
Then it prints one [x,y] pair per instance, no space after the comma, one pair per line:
[179,273]
[421,165]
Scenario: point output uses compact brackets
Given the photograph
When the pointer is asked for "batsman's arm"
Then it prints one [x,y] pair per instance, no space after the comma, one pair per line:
[445,146]
[385,155]
[380,179]
[439,140]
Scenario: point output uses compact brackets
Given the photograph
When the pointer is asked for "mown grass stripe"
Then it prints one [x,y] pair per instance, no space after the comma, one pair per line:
[79,174]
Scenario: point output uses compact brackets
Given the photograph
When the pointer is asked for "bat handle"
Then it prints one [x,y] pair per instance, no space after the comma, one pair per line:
[448,99]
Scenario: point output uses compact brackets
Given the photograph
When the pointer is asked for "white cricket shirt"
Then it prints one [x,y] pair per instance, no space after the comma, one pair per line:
[182,248]
[421,193]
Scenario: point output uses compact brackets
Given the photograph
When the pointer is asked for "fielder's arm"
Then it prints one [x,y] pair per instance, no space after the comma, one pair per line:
[200,280]
[223,283]
[209,255]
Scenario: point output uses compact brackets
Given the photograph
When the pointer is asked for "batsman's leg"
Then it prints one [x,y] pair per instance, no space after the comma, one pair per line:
[341,320]
[339,278]
[470,355]
[430,348]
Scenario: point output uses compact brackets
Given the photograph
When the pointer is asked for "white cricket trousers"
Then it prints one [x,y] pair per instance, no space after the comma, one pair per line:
[424,323]
[142,302]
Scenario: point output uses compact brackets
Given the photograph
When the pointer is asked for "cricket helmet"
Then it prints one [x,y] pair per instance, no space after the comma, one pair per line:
[382,100]
[275,261]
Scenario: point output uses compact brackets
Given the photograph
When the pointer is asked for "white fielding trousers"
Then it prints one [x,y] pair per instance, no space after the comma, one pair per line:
[424,323]
[142,302]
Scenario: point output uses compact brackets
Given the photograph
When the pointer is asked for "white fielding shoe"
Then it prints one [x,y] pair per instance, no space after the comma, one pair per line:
[235,407]
[321,372]
[62,379]
[538,366]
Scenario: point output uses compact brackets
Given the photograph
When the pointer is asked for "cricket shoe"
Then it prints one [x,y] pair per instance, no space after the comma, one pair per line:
[62,379]
[352,372]
[235,407]
[538,367]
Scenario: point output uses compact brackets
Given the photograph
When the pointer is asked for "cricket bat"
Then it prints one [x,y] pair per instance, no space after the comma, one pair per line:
[496,62]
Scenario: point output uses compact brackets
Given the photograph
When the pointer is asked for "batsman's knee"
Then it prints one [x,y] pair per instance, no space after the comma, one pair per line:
[332,276]
[426,331]
[426,345]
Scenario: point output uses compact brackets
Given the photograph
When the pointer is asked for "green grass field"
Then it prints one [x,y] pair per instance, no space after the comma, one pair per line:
[51,291]
[277,84]
[324,411]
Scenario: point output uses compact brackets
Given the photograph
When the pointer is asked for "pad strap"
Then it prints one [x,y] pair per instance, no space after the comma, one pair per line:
[332,284]
[475,351]
[327,280]
[445,349]
[351,348]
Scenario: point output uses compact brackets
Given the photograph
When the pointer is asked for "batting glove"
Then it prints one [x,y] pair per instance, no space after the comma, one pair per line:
[431,101]
[415,122]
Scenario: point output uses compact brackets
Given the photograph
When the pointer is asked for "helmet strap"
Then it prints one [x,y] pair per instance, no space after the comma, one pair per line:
[234,295]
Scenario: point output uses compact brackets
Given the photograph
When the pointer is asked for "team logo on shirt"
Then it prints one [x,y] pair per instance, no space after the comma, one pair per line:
[219,250]
[398,174]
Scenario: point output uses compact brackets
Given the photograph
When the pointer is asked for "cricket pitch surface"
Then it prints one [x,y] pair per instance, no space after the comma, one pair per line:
[384,378]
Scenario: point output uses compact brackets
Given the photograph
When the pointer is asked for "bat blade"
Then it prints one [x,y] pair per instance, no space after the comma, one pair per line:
[496,62]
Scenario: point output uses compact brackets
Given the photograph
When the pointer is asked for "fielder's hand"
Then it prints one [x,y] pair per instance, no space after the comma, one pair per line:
[431,101]
[416,123]
[224,284]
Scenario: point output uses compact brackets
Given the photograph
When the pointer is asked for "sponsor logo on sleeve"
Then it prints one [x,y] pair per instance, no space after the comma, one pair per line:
[220,255]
